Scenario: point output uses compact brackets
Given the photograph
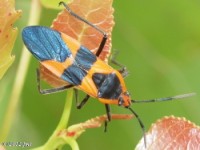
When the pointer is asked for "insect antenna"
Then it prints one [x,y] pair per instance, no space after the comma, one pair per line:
[155,100]
[164,98]
[141,124]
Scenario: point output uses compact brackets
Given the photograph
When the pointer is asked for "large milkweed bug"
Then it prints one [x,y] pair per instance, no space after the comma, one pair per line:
[80,69]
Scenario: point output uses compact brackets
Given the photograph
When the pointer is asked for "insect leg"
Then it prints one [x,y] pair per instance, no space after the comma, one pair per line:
[108,112]
[49,91]
[83,102]
[123,69]
[105,36]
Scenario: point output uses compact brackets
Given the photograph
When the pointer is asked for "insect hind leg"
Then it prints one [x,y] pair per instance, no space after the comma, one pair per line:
[52,90]
[105,35]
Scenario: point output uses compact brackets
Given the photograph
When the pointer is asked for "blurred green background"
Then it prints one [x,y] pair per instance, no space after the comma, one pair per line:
[158,41]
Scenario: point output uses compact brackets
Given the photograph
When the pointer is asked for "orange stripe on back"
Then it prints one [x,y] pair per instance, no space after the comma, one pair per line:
[87,83]
[73,44]
[51,78]
[57,68]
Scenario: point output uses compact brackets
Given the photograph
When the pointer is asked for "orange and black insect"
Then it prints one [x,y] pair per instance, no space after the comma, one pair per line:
[79,68]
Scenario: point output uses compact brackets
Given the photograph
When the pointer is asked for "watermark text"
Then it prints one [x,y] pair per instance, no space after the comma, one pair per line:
[16,144]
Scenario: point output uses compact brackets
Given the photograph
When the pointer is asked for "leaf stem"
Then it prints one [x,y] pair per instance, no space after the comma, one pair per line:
[20,76]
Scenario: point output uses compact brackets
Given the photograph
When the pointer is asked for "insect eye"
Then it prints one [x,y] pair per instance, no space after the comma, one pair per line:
[127,93]
[121,101]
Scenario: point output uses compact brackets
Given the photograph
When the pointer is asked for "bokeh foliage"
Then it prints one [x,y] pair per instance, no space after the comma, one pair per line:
[158,41]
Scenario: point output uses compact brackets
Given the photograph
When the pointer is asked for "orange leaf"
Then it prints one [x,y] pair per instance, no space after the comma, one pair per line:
[8,34]
[172,133]
[98,12]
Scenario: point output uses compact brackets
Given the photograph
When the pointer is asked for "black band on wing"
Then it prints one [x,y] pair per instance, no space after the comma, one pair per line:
[83,61]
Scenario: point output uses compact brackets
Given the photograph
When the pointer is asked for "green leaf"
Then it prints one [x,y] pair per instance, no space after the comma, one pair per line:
[8,34]
[54,4]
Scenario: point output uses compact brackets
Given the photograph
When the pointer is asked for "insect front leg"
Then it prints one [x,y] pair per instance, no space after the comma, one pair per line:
[108,113]
[123,70]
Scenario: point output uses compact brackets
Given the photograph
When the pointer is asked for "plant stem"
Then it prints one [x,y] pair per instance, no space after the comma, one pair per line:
[74,145]
[20,76]
[66,112]
[56,141]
